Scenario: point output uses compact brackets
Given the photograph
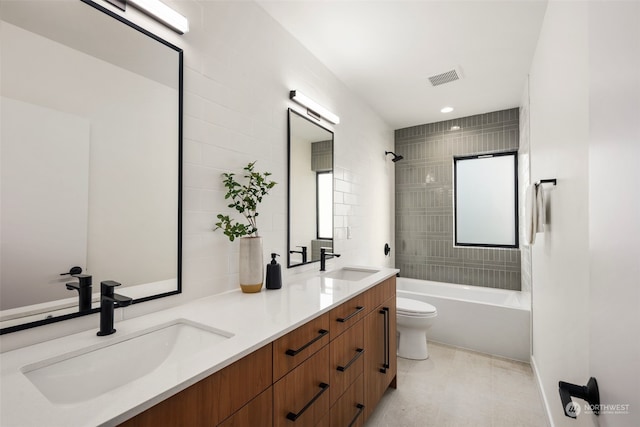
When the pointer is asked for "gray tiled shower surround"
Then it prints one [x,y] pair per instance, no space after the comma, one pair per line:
[424,201]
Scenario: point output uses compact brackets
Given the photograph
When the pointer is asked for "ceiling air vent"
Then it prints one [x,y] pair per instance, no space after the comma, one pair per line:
[446,77]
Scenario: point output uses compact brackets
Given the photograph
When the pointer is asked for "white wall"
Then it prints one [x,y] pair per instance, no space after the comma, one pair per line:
[614,206]
[559,124]
[239,68]
[583,325]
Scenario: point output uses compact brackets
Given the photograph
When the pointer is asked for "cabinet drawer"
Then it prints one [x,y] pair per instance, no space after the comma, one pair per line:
[348,314]
[349,409]
[380,293]
[347,359]
[301,398]
[295,347]
[258,412]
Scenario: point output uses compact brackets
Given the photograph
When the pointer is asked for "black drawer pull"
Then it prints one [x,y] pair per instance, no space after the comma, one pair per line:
[321,332]
[360,407]
[359,352]
[291,416]
[344,319]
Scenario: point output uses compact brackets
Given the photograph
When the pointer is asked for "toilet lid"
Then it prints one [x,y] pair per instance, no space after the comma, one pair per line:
[412,306]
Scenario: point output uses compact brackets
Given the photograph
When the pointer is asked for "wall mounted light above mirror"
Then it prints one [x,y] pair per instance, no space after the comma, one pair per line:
[310,195]
[91,159]
[314,109]
[158,11]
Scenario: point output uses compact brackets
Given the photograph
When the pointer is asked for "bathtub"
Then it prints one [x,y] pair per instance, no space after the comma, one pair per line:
[487,320]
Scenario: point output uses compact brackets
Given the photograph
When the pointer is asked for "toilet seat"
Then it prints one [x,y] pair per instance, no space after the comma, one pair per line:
[414,308]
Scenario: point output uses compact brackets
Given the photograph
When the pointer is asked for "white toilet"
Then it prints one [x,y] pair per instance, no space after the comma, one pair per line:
[414,318]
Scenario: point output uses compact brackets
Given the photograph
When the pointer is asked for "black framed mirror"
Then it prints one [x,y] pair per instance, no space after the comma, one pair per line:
[91,159]
[310,195]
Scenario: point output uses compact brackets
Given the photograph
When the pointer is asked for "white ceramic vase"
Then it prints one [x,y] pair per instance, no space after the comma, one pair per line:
[251,264]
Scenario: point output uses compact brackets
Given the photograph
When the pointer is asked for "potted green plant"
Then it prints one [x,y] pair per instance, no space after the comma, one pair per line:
[245,199]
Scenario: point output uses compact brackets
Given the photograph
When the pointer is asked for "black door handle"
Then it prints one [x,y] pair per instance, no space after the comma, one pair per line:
[321,333]
[291,416]
[344,319]
[359,352]
[385,365]
[360,407]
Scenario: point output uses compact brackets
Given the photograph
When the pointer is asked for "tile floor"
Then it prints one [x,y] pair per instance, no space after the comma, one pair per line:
[458,388]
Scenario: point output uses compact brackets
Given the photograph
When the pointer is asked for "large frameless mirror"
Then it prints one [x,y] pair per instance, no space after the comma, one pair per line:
[90,160]
[310,193]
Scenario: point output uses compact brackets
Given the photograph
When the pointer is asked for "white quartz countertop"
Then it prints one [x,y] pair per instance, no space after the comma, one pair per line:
[253,319]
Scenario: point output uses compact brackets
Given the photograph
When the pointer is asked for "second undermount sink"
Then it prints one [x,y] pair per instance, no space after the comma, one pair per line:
[350,273]
[88,373]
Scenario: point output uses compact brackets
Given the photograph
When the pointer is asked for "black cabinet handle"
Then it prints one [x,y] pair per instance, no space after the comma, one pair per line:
[291,416]
[359,352]
[385,364]
[321,332]
[344,319]
[387,360]
[360,407]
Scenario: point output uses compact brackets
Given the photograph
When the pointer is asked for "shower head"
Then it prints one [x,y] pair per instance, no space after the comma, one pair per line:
[395,156]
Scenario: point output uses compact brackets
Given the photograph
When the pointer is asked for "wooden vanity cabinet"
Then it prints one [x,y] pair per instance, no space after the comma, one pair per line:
[329,372]
[215,398]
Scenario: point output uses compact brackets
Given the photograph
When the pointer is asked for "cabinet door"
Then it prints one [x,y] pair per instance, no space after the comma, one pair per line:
[301,397]
[349,409]
[380,358]
[347,360]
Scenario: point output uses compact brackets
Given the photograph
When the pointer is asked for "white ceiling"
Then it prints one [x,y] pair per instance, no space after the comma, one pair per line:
[385,50]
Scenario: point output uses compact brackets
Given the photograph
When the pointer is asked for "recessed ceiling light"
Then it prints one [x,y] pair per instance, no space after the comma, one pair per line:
[446,110]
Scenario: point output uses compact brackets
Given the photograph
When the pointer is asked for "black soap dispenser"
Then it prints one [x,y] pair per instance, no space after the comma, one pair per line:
[274,274]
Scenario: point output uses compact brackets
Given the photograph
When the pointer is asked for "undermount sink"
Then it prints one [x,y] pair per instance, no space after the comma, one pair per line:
[90,372]
[351,274]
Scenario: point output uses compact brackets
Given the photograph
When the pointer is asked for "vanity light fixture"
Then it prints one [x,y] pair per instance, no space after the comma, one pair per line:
[157,10]
[446,110]
[314,109]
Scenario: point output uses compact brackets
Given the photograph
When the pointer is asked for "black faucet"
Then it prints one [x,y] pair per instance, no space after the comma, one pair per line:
[302,251]
[84,291]
[323,257]
[107,302]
